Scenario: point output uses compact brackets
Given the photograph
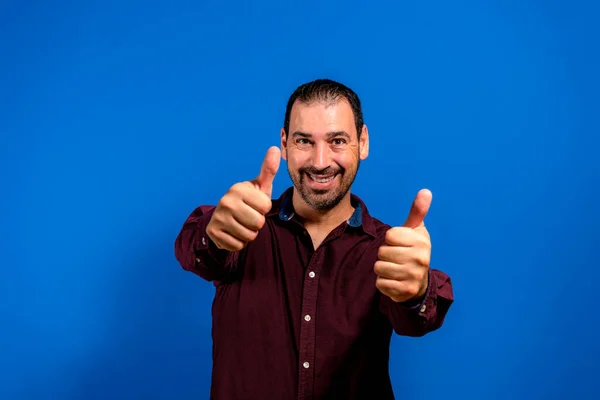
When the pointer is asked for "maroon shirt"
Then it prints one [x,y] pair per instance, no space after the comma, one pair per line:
[291,322]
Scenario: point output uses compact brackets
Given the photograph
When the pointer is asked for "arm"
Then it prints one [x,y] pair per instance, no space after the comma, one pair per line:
[197,253]
[415,298]
[212,236]
[417,318]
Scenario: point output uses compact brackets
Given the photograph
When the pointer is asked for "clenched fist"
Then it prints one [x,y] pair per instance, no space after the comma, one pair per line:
[403,262]
[240,213]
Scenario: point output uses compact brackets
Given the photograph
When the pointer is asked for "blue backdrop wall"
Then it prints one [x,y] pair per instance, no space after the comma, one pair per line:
[118,118]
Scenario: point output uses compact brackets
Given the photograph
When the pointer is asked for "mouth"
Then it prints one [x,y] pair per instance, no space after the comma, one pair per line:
[321,178]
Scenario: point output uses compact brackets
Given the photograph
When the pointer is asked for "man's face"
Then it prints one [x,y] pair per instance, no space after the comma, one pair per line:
[323,151]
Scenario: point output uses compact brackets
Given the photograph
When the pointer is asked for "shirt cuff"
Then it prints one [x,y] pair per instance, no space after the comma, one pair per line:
[204,247]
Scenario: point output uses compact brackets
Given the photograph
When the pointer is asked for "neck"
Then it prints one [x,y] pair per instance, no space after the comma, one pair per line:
[332,217]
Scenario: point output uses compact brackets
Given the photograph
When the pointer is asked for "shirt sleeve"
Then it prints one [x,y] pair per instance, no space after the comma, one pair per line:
[197,253]
[427,315]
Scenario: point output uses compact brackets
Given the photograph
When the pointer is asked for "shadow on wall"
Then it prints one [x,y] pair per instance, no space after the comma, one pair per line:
[158,343]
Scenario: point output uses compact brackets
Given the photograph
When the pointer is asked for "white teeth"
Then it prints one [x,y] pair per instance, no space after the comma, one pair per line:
[322,180]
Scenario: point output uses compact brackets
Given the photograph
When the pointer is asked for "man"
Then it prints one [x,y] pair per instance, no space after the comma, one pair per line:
[309,286]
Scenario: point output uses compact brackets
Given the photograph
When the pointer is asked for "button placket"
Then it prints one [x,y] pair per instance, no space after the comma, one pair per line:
[307,328]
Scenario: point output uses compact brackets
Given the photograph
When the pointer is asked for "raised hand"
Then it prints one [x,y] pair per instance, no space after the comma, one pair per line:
[403,262]
[240,213]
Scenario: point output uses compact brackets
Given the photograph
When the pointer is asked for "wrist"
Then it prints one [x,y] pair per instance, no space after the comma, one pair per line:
[419,298]
[424,286]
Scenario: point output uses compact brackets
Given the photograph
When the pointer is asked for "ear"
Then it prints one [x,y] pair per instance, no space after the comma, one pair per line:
[364,143]
[283,144]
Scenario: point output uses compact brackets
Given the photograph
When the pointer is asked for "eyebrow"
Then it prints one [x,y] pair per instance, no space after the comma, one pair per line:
[329,134]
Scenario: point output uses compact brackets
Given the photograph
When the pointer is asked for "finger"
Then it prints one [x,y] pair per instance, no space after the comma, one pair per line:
[397,290]
[268,170]
[239,232]
[419,209]
[390,270]
[394,254]
[226,241]
[405,255]
[402,236]
[249,218]
[257,200]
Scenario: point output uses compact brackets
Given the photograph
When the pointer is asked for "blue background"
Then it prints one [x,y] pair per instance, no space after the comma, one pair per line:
[118,118]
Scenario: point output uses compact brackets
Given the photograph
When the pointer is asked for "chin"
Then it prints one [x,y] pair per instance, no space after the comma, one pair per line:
[323,200]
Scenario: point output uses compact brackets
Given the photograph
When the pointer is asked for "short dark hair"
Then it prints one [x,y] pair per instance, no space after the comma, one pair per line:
[325,90]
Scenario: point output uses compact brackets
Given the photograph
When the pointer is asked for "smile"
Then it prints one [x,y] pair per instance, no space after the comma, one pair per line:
[321,179]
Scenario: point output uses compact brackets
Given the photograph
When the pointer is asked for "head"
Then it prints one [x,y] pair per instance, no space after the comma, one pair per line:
[323,141]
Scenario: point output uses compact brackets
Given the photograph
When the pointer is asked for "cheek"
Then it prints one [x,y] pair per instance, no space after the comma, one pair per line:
[296,161]
[348,160]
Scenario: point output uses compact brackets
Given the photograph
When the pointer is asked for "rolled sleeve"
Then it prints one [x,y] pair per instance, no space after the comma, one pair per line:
[424,316]
[197,253]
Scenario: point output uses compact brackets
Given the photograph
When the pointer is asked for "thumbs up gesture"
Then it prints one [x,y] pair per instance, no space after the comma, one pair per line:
[403,261]
[240,213]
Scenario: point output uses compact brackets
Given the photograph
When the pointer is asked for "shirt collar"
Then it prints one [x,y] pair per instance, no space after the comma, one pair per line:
[360,218]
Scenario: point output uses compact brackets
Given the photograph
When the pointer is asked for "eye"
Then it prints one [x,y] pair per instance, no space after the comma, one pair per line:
[302,141]
[339,141]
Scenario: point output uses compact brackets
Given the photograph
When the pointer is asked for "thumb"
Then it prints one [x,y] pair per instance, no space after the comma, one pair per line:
[268,170]
[419,209]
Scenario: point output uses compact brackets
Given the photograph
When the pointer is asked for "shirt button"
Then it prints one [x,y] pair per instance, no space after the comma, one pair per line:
[307,318]
[423,308]
[311,274]
[203,241]
[198,260]
[306,365]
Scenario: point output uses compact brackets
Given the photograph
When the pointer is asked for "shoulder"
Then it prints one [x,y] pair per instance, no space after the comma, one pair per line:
[380,227]
[371,224]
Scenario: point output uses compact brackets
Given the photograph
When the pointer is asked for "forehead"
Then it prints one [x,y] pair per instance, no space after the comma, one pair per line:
[318,117]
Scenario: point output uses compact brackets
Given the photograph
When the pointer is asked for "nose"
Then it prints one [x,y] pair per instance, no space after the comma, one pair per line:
[321,156]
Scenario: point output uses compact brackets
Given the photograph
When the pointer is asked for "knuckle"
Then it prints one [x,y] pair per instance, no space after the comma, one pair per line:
[266,204]
[252,236]
[423,242]
[210,231]
[237,188]
[381,252]
[424,258]
[235,244]
[394,235]
[249,235]
[378,268]
[260,222]
[398,235]
[218,221]
[254,221]
[235,193]
[390,235]
[217,217]
[238,246]
[226,202]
